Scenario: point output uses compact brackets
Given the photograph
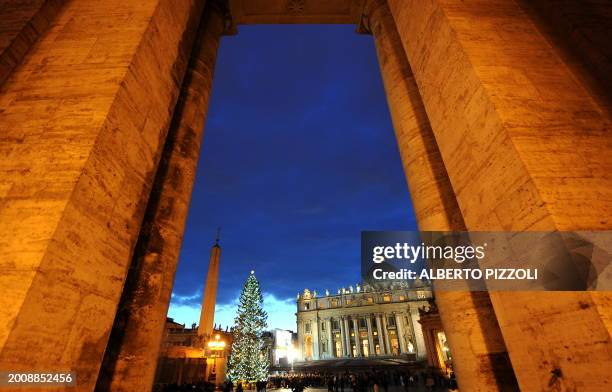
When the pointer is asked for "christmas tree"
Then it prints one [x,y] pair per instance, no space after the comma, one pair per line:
[248,360]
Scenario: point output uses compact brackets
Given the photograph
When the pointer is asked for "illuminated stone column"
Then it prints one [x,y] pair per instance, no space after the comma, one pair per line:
[386,334]
[418,333]
[316,342]
[357,338]
[131,358]
[331,349]
[400,332]
[22,28]
[301,331]
[481,360]
[371,349]
[526,148]
[347,337]
[343,336]
[381,342]
[85,115]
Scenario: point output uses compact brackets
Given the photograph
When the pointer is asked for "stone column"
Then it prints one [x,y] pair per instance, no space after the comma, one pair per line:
[500,104]
[431,351]
[386,334]
[371,349]
[381,342]
[131,357]
[316,342]
[481,361]
[331,349]
[301,331]
[347,336]
[29,24]
[400,332]
[418,333]
[343,335]
[79,154]
[357,338]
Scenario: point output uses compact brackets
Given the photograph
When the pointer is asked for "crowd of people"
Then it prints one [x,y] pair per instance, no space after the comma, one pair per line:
[365,381]
[201,386]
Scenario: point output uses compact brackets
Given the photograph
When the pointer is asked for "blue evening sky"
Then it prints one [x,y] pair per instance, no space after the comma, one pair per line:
[299,156]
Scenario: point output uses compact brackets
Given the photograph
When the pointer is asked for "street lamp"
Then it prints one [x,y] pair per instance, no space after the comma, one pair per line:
[216,347]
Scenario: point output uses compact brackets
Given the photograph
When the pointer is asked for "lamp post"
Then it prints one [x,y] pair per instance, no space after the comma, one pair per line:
[216,347]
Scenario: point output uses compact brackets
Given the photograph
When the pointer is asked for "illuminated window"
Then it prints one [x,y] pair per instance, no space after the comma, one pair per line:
[387,298]
[402,297]
[338,349]
[370,300]
[421,294]
[334,303]
[349,301]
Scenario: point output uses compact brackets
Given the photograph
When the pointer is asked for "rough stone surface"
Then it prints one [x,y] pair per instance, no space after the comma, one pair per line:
[295,11]
[22,23]
[480,358]
[526,148]
[131,357]
[581,30]
[84,118]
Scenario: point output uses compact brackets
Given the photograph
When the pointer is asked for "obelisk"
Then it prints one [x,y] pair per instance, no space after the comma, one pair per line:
[207,315]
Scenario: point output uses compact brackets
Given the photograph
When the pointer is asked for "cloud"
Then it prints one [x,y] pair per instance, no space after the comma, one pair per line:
[194,299]
[281,312]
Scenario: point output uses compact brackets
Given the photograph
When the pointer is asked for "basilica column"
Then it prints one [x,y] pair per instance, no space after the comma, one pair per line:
[316,342]
[400,332]
[481,360]
[356,337]
[381,342]
[347,336]
[343,335]
[498,92]
[371,349]
[301,332]
[331,349]
[386,334]
[418,333]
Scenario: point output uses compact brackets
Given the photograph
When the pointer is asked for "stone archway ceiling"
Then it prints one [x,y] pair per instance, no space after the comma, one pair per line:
[296,11]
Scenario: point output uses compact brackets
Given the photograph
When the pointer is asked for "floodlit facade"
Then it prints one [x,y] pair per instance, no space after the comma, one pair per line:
[362,322]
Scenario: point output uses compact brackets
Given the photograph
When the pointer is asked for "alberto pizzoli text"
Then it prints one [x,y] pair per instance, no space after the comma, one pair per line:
[458,274]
